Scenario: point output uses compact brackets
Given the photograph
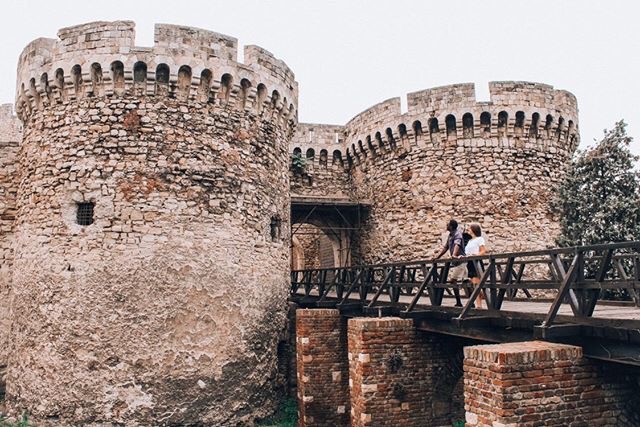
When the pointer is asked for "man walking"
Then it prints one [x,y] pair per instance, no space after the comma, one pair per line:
[455,247]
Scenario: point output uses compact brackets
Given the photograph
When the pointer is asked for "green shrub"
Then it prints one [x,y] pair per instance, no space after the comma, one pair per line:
[285,416]
[24,422]
[298,163]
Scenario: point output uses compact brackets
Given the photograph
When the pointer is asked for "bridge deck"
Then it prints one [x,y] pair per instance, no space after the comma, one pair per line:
[577,278]
[604,310]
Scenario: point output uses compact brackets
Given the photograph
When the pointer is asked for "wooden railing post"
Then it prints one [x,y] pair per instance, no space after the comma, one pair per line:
[567,279]
[579,274]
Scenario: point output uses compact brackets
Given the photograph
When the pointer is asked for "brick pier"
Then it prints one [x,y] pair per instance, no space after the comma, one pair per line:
[321,357]
[540,383]
[385,372]
[393,370]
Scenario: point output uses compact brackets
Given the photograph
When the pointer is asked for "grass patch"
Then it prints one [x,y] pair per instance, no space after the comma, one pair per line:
[24,422]
[285,416]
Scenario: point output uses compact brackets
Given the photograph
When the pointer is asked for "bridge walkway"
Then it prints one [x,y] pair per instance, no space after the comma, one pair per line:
[577,280]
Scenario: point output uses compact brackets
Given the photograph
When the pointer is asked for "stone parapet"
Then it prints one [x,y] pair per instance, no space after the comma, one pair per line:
[325,172]
[524,114]
[100,58]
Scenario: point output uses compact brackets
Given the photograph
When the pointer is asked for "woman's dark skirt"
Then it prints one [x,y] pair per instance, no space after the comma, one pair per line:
[473,271]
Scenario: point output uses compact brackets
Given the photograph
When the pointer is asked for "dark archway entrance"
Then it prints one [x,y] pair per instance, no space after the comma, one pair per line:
[322,232]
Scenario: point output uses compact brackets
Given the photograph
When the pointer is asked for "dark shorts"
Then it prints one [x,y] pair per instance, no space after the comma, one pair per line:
[471,268]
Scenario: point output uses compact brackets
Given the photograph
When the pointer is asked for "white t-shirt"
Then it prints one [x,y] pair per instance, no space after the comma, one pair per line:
[473,246]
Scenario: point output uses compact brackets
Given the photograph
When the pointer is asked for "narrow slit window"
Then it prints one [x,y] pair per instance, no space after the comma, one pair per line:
[84,213]
[276,226]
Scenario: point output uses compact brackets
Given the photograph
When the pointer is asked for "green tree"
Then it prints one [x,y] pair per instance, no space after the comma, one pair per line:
[298,162]
[599,199]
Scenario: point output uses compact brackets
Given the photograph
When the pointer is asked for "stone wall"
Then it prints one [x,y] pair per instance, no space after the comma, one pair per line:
[311,248]
[325,173]
[307,239]
[167,307]
[10,137]
[535,383]
[496,163]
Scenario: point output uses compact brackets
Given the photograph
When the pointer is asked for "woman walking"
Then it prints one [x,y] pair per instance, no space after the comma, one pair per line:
[476,246]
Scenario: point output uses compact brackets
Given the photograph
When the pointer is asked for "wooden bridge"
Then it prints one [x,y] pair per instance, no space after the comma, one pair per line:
[575,282]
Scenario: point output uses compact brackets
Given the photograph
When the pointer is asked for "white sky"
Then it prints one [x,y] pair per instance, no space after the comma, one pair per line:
[349,55]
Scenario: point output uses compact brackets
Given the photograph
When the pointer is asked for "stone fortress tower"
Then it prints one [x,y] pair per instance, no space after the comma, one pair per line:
[151,262]
[496,163]
[145,212]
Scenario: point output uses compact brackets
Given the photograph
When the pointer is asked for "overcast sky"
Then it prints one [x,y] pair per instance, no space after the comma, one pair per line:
[349,55]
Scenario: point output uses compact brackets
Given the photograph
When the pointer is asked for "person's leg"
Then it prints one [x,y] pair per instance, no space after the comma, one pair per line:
[476,282]
[456,293]
[456,274]
[479,271]
[471,272]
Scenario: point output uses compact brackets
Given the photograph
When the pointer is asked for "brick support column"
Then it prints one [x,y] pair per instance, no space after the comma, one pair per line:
[536,383]
[321,356]
[395,374]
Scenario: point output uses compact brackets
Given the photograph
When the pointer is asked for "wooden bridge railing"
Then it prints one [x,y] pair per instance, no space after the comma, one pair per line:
[579,275]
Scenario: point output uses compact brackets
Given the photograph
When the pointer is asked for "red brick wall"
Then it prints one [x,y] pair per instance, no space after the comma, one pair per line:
[394,372]
[541,383]
[382,372]
[321,356]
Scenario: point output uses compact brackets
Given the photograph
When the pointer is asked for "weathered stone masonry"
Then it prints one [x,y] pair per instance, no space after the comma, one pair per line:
[183,152]
[494,162]
[184,155]
[10,136]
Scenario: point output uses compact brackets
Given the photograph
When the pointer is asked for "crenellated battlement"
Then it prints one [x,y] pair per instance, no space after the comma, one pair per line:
[320,145]
[325,170]
[518,113]
[494,162]
[101,59]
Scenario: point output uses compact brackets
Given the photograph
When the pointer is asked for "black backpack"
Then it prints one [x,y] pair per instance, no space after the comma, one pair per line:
[465,238]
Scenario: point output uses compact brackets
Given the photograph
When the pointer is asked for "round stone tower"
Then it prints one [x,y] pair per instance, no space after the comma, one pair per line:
[496,163]
[151,237]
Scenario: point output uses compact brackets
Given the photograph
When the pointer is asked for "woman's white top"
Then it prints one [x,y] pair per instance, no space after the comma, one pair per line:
[473,246]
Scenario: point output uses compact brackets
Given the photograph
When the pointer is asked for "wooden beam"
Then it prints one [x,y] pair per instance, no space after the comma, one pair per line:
[567,279]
